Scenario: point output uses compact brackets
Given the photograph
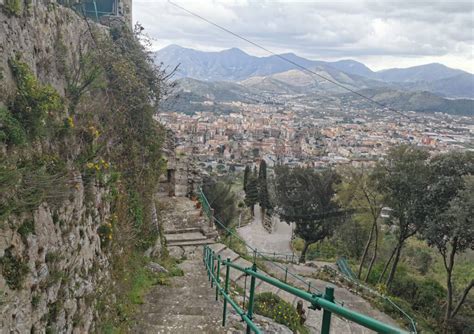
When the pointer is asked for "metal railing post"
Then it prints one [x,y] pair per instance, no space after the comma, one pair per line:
[208,265]
[309,286]
[226,290]
[286,273]
[251,296]
[329,296]
[218,276]
[212,269]
[211,220]
[204,255]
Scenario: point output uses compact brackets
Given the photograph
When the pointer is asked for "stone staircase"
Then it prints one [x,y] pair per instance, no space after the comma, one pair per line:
[314,317]
[188,237]
[189,306]
[184,223]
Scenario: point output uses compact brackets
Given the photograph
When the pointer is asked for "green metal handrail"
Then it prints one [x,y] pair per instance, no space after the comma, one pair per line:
[349,275]
[209,258]
[342,264]
[317,301]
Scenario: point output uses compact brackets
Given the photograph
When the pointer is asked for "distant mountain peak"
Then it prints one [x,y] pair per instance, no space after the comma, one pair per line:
[235,51]
[236,65]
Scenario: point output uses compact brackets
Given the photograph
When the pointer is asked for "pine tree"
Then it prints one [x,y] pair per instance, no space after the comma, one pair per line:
[251,195]
[263,197]
[246,177]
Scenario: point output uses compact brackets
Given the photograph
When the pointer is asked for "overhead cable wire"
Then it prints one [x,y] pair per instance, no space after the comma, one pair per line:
[301,67]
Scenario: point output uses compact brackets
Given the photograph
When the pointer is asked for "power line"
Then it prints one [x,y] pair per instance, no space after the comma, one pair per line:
[301,67]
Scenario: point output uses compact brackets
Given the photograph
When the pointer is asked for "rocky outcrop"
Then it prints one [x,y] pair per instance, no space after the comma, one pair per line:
[53,257]
[63,262]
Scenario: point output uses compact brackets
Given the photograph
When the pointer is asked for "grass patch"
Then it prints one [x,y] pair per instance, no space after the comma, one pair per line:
[134,280]
[235,243]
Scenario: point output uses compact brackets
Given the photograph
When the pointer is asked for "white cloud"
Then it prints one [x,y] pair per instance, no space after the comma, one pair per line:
[380,33]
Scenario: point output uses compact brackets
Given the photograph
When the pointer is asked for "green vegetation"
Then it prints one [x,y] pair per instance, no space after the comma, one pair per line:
[251,192]
[27,228]
[234,243]
[421,255]
[273,307]
[101,132]
[11,131]
[37,107]
[306,198]
[135,280]
[222,200]
[263,195]
[13,7]
[14,269]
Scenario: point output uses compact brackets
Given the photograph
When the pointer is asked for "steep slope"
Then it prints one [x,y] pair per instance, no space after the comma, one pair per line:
[299,82]
[419,101]
[428,72]
[216,91]
[353,67]
[75,215]
[236,65]
[227,65]
[458,86]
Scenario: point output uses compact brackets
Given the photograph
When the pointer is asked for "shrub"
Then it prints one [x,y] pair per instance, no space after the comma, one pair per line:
[11,131]
[35,106]
[27,228]
[272,306]
[13,269]
[13,7]
[105,234]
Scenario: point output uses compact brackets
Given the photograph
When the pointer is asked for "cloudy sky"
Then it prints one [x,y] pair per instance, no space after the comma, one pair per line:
[381,34]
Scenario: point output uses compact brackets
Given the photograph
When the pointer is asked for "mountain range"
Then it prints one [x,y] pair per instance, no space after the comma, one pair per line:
[233,75]
[236,65]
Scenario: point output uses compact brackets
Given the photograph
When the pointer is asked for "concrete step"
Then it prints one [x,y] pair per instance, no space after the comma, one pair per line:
[189,236]
[191,242]
[236,275]
[218,247]
[227,253]
[183,230]
[265,287]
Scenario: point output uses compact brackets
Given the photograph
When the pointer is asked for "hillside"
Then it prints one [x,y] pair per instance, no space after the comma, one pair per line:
[191,95]
[420,101]
[236,65]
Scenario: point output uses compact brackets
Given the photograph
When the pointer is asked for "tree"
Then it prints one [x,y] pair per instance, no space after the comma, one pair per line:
[221,199]
[305,197]
[403,179]
[359,193]
[450,222]
[246,176]
[251,195]
[263,196]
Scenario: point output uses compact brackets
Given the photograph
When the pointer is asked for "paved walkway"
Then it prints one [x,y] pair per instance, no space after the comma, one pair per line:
[187,305]
[258,237]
